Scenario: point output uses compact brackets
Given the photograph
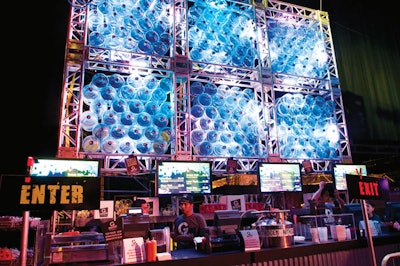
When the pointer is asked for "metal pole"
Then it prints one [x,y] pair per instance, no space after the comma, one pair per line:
[368,233]
[25,219]
[54,222]
[24,238]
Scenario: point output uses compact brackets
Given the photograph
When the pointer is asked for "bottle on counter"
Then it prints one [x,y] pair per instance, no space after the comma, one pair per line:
[151,250]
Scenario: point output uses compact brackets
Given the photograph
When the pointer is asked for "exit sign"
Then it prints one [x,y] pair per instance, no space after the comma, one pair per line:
[367,188]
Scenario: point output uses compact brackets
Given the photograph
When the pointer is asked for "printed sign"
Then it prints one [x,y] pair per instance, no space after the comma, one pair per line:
[132,165]
[112,230]
[251,240]
[231,166]
[134,250]
[106,210]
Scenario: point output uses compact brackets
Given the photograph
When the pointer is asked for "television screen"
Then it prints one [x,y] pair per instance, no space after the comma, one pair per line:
[356,210]
[313,179]
[340,171]
[236,184]
[183,177]
[392,211]
[279,177]
[55,167]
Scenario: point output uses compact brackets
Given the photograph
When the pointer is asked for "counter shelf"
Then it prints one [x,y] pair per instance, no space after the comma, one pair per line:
[81,247]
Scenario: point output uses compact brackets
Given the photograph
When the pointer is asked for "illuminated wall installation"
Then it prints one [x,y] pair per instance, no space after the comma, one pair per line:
[261,80]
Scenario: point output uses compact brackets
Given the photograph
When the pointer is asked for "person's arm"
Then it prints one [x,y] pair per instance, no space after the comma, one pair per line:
[339,199]
[175,235]
[396,225]
[317,194]
[202,225]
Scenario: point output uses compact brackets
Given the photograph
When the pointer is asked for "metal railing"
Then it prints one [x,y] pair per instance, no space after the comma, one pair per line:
[391,259]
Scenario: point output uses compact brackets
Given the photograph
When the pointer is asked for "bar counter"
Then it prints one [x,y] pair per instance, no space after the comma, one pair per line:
[348,252]
[343,253]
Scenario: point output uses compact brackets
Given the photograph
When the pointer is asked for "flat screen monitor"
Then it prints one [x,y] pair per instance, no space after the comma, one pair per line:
[55,167]
[340,171]
[392,211]
[183,177]
[279,177]
[236,184]
[356,210]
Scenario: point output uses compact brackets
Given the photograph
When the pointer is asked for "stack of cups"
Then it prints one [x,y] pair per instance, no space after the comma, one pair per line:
[338,232]
[341,232]
[314,234]
[323,233]
[167,237]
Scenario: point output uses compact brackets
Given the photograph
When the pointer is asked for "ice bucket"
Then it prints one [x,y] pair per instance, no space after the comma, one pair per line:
[274,230]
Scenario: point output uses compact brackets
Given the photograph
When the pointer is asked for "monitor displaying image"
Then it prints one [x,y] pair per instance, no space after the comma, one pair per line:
[55,167]
[340,171]
[183,177]
[236,184]
[280,177]
[392,210]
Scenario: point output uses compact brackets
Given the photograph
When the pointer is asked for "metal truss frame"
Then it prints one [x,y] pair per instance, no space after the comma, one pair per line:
[79,58]
[68,140]
[328,87]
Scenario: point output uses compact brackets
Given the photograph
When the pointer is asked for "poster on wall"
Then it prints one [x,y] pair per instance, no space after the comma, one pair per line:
[152,205]
[234,202]
[106,210]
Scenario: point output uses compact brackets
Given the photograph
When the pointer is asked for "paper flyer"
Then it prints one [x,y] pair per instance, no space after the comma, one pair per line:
[134,250]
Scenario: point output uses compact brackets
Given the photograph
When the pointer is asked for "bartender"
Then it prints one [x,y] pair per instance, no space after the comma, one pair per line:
[188,225]
[327,198]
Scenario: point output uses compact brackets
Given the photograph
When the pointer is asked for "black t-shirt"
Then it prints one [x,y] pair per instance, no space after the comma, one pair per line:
[188,227]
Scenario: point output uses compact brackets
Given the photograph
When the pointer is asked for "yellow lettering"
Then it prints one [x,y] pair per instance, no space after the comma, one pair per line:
[53,192]
[64,198]
[24,198]
[77,194]
[38,194]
